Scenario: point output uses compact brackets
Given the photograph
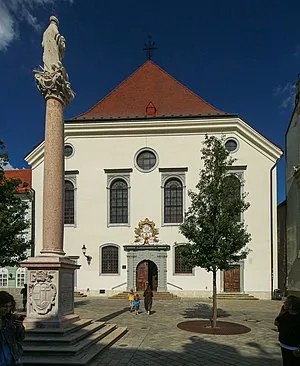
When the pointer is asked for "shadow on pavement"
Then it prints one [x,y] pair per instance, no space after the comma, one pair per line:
[198,352]
[203,311]
[108,317]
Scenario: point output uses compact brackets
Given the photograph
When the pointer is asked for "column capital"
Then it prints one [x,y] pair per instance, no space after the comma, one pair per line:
[54,84]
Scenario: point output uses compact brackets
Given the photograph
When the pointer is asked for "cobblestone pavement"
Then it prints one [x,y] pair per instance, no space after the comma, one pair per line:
[156,340]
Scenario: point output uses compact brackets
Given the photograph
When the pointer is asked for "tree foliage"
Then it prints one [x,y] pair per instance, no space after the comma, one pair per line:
[13,223]
[216,235]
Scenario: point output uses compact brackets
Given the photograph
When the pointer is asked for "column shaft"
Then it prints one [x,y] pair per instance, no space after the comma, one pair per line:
[53,201]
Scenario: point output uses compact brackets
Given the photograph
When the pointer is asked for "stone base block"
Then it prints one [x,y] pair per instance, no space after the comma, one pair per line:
[50,296]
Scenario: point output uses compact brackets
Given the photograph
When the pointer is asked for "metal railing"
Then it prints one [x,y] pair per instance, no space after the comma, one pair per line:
[171,284]
[121,284]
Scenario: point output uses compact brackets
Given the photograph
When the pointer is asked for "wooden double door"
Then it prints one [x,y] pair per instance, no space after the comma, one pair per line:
[232,279]
[146,271]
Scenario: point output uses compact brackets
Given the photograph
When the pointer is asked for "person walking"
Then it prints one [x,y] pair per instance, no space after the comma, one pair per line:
[288,324]
[136,304]
[131,298]
[148,295]
[24,294]
[12,331]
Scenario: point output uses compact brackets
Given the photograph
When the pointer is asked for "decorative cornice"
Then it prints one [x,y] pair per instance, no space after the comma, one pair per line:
[118,171]
[136,248]
[55,84]
[175,127]
[172,170]
[71,172]
[237,167]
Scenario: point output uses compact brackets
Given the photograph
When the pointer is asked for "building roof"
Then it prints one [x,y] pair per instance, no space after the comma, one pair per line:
[149,92]
[23,174]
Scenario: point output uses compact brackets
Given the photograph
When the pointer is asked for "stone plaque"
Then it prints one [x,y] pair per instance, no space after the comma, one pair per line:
[67,292]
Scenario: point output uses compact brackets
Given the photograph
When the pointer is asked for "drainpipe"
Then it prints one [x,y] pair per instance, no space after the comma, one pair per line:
[272,227]
[32,223]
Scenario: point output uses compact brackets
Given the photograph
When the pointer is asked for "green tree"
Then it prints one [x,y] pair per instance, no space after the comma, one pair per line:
[13,223]
[212,226]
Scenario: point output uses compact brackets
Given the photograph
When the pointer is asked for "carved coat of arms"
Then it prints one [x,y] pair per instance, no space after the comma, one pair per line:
[42,292]
[146,232]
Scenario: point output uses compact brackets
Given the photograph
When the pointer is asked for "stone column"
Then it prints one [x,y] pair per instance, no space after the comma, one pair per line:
[51,275]
[53,200]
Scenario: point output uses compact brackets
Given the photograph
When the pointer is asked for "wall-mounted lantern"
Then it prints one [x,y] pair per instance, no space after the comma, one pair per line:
[88,257]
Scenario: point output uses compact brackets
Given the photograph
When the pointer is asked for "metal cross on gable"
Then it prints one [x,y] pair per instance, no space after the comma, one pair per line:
[149,47]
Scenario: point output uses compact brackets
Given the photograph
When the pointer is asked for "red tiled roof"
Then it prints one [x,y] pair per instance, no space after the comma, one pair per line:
[23,174]
[149,92]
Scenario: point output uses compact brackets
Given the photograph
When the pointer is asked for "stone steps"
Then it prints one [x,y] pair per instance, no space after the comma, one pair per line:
[156,295]
[234,296]
[79,294]
[77,345]
[68,339]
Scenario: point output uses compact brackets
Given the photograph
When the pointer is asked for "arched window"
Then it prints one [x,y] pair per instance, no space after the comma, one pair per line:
[109,259]
[236,190]
[69,202]
[173,201]
[3,277]
[20,277]
[179,266]
[118,205]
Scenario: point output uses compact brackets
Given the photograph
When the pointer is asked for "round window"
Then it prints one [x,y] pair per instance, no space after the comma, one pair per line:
[231,145]
[146,160]
[68,151]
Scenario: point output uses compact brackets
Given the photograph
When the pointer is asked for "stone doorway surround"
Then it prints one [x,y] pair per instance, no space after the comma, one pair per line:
[155,253]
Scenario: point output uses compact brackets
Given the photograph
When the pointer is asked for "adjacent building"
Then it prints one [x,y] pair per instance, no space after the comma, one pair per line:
[129,163]
[13,278]
[293,199]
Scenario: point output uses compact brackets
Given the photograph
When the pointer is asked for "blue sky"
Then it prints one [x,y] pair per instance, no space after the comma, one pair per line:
[241,56]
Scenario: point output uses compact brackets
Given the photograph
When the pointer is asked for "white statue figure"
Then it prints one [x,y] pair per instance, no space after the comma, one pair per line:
[54,46]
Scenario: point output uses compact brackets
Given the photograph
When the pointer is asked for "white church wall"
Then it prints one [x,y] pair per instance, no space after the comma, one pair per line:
[93,154]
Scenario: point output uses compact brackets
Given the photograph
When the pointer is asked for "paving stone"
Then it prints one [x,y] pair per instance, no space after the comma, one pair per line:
[156,340]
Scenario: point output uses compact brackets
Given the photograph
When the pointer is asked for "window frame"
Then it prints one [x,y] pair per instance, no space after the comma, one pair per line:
[191,273]
[165,177]
[72,180]
[68,144]
[3,273]
[239,174]
[21,271]
[144,149]
[106,245]
[111,178]
[237,144]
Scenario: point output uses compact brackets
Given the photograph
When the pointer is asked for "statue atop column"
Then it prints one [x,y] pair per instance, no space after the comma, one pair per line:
[54,46]
[52,80]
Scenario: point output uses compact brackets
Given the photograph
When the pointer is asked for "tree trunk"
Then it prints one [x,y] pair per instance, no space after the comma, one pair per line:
[214,313]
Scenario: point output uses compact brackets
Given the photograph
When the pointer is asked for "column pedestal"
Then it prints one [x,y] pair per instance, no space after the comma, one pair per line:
[50,291]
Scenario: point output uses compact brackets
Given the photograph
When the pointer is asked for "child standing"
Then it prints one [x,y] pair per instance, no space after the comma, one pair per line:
[136,304]
[131,298]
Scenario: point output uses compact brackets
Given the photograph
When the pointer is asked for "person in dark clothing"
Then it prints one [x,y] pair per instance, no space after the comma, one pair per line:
[24,294]
[148,295]
[12,331]
[288,323]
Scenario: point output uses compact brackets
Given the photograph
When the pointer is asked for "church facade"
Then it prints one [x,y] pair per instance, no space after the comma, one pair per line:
[129,163]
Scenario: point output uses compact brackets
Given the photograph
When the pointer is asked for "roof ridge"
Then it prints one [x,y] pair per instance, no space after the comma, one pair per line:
[186,88]
[112,91]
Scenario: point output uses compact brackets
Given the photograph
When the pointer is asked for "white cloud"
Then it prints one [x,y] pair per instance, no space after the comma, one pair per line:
[8,166]
[14,12]
[286,93]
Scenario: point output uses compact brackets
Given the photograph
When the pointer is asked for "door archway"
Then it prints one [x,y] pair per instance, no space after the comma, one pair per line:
[146,271]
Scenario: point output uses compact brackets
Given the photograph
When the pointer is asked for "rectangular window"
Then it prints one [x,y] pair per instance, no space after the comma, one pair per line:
[3,279]
[20,279]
